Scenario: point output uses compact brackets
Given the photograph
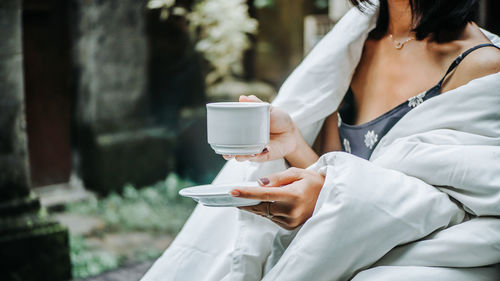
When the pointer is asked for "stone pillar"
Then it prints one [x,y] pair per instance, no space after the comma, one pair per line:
[31,245]
[117,142]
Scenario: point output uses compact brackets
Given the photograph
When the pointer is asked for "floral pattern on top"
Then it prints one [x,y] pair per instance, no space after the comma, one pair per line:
[347,146]
[371,139]
[416,100]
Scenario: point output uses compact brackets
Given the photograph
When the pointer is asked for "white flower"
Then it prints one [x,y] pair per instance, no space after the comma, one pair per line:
[155,4]
[339,122]
[370,139]
[416,100]
[179,11]
[347,145]
[225,25]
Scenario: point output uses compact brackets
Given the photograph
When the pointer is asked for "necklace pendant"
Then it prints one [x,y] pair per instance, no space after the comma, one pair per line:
[399,46]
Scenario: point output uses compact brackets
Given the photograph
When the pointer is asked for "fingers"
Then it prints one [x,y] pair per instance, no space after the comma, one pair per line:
[277,209]
[279,218]
[259,209]
[281,221]
[241,158]
[283,178]
[250,98]
[261,157]
[262,194]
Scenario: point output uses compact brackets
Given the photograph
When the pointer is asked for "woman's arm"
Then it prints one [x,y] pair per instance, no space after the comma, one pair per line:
[304,156]
[331,138]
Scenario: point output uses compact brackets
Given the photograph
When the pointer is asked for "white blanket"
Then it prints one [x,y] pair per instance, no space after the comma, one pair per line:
[425,207]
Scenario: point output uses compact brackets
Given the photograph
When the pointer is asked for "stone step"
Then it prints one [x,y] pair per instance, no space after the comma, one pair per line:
[57,195]
[133,272]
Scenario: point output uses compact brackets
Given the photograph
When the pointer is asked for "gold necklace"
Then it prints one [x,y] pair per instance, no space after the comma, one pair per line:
[400,45]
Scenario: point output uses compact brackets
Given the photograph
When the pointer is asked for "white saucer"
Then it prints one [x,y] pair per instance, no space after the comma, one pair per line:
[223,149]
[219,195]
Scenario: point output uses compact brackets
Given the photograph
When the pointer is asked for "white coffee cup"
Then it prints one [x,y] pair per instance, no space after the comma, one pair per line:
[238,128]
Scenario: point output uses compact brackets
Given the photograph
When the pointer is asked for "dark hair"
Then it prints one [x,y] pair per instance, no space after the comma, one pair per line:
[437,18]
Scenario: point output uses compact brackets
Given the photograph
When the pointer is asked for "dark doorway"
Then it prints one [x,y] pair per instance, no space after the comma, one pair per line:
[47,64]
[492,20]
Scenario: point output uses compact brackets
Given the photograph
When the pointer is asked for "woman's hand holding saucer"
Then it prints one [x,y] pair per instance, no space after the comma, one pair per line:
[288,197]
[283,138]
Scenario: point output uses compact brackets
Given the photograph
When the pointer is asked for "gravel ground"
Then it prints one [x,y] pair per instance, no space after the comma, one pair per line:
[132,272]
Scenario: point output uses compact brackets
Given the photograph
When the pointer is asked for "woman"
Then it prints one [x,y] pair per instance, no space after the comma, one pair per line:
[413,210]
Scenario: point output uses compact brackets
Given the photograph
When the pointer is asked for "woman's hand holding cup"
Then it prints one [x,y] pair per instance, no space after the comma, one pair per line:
[283,136]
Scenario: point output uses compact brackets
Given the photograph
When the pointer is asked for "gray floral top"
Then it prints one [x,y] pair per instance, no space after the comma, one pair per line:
[361,140]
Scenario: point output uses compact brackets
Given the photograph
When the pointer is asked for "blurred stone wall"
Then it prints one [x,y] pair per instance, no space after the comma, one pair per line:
[111,56]
[117,141]
[13,146]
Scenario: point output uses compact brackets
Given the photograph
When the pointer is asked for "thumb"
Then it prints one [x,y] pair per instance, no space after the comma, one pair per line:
[250,98]
[283,178]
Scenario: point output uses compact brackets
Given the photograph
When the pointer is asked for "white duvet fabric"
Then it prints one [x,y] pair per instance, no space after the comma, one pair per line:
[425,207]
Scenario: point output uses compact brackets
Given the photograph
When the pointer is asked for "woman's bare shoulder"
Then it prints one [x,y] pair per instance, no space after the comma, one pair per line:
[481,62]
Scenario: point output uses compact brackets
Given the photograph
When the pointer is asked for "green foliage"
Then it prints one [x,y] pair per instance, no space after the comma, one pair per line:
[156,208]
[147,254]
[87,262]
[259,4]
[152,208]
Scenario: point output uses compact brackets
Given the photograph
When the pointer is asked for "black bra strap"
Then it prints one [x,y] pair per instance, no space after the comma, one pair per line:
[459,59]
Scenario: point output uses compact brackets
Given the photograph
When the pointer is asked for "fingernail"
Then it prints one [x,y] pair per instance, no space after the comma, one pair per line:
[235,193]
[265,150]
[263,181]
